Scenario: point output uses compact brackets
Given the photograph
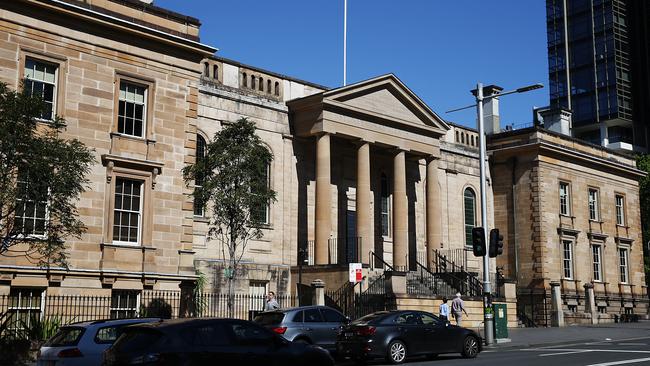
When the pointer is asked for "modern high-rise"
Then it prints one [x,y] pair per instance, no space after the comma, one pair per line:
[598,68]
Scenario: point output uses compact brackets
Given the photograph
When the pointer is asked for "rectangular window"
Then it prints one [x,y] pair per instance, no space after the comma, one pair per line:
[124,304]
[567,259]
[385,206]
[31,210]
[260,214]
[40,80]
[131,109]
[199,205]
[622,263]
[257,293]
[25,305]
[596,254]
[128,211]
[564,199]
[620,210]
[593,205]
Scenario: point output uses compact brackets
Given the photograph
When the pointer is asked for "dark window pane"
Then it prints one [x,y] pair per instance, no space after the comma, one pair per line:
[139,110]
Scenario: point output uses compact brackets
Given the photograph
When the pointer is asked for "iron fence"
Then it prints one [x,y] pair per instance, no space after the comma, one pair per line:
[21,309]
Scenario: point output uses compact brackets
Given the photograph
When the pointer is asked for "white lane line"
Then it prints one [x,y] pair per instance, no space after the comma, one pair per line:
[585,350]
[631,344]
[636,360]
[563,353]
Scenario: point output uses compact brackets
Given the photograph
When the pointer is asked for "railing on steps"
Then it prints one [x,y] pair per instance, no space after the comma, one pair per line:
[355,304]
[422,282]
[456,276]
[376,262]
[342,299]
[525,320]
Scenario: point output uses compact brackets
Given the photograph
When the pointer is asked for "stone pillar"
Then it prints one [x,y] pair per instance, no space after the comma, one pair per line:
[434,227]
[364,216]
[557,314]
[323,199]
[319,292]
[590,302]
[400,212]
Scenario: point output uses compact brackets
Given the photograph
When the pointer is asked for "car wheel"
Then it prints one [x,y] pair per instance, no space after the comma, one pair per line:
[470,347]
[396,352]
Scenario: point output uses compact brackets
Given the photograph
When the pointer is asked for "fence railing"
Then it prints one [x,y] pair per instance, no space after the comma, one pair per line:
[376,262]
[161,304]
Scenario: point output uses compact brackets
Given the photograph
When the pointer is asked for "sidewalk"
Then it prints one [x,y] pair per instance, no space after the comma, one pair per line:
[538,337]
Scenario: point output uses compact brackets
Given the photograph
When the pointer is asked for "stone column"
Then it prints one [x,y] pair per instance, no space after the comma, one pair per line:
[557,314]
[323,199]
[434,227]
[590,302]
[400,213]
[364,215]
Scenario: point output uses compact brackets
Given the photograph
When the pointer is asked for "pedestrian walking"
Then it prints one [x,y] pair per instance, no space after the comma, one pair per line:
[271,302]
[444,310]
[458,308]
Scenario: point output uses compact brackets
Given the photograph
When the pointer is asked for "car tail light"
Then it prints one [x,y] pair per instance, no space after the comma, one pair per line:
[366,331]
[70,352]
[279,330]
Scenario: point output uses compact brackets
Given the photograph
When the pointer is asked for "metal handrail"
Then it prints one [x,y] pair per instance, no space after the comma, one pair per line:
[467,283]
[385,266]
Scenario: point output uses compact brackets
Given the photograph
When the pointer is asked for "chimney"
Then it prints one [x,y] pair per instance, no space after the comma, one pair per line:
[557,120]
[491,118]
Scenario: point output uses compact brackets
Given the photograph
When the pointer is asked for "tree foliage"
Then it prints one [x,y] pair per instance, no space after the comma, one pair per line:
[643,163]
[234,185]
[41,173]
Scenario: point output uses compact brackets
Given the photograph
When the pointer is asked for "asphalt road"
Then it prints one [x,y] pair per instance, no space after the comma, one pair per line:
[623,351]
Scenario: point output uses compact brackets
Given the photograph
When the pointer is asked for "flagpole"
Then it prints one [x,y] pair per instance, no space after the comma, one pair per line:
[345,41]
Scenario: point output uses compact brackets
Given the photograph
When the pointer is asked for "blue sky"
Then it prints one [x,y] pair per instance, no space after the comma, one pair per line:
[439,49]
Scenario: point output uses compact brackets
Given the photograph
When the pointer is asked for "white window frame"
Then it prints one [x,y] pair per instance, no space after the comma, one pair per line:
[120,310]
[566,197]
[140,211]
[465,223]
[594,211]
[202,208]
[389,208]
[29,310]
[54,83]
[568,260]
[597,262]
[620,209]
[624,268]
[46,218]
[255,287]
[144,107]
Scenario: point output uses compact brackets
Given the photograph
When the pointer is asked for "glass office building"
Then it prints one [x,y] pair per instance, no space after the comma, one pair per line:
[595,50]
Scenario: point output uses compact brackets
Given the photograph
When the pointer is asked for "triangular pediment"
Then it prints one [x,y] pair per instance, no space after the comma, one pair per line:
[387,97]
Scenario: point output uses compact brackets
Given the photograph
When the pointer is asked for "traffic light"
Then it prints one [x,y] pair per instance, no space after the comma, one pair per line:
[478,241]
[496,243]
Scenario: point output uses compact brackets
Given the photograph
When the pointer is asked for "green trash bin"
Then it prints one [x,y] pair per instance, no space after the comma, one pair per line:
[500,320]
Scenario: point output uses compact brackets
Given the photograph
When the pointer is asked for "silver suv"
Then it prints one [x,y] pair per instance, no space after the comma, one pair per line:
[318,325]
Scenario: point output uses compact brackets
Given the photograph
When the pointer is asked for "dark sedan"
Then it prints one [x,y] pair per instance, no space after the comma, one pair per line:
[397,335]
[188,342]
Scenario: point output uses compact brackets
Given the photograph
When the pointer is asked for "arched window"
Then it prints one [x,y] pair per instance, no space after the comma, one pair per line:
[469,205]
[261,84]
[457,139]
[462,138]
[268,86]
[277,88]
[206,69]
[472,139]
[199,205]
[385,206]
[253,82]
[245,80]
[215,72]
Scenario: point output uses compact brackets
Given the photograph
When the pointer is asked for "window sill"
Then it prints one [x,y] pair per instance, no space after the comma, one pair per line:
[622,226]
[263,226]
[567,216]
[201,219]
[596,221]
[131,137]
[126,246]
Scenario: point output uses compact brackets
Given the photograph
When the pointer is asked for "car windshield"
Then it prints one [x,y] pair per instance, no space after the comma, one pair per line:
[67,336]
[137,339]
[269,318]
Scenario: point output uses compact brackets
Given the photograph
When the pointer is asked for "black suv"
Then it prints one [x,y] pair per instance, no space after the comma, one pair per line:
[187,342]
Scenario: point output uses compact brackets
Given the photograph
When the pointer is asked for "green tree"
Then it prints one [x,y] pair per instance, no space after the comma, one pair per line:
[42,176]
[643,163]
[233,178]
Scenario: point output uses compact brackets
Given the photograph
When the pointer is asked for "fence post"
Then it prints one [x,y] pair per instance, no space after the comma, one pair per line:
[557,315]
[319,292]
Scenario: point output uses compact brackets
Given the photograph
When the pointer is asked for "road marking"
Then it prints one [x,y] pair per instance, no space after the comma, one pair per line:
[636,360]
[563,353]
[632,344]
[584,350]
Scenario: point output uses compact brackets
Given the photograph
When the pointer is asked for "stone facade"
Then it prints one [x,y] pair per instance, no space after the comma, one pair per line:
[98,50]
[578,238]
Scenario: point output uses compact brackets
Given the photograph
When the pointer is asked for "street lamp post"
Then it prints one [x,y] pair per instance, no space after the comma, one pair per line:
[488,316]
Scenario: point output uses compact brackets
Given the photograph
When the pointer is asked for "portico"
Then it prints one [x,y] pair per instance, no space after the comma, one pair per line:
[382,123]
